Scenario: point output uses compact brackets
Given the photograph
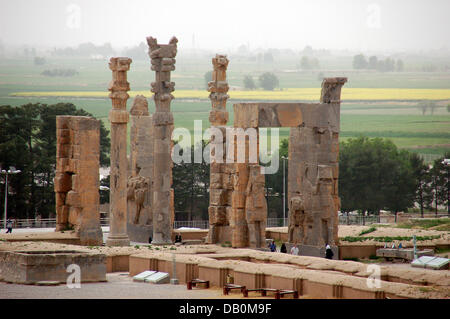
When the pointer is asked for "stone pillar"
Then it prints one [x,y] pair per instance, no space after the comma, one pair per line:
[220,172]
[313,178]
[77,177]
[163,62]
[140,216]
[118,117]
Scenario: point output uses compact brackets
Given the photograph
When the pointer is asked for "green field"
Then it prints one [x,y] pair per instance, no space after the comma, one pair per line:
[400,121]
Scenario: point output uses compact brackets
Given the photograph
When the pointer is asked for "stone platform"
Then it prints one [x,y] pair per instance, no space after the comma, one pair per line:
[32,267]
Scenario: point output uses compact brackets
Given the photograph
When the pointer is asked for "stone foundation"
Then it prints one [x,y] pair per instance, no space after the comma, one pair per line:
[31,267]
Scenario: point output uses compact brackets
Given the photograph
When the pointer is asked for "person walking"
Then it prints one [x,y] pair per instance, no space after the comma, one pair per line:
[328,252]
[294,250]
[273,247]
[283,248]
[9,225]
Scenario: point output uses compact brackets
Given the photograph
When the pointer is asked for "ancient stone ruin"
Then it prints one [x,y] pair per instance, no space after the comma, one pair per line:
[221,183]
[77,177]
[118,116]
[139,186]
[313,163]
[163,62]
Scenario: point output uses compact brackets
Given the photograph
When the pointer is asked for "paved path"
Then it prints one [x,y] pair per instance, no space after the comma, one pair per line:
[119,285]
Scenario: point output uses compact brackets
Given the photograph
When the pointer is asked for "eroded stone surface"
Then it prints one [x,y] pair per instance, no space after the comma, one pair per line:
[77,177]
[140,179]
[163,62]
[313,167]
[118,117]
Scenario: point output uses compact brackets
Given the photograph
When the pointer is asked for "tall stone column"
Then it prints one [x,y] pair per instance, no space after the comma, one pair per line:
[118,117]
[163,62]
[220,176]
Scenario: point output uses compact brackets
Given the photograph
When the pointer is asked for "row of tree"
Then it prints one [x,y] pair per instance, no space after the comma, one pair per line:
[374,175]
[267,81]
[373,63]
[28,142]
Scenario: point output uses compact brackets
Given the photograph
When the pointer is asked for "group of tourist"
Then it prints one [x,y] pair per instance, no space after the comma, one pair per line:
[295,251]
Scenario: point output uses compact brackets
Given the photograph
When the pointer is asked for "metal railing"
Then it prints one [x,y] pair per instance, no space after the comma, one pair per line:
[202,224]
[358,220]
[277,222]
[42,223]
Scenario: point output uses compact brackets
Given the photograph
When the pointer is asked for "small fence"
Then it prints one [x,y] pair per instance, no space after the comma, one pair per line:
[42,223]
[277,222]
[358,220]
[204,224]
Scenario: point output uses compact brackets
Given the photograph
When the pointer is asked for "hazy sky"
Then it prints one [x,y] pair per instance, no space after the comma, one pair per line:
[331,24]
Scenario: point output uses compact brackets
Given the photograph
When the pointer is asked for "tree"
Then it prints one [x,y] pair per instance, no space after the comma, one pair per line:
[427,105]
[208,78]
[309,63]
[274,184]
[374,175]
[39,60]
[28,142]
[440,182]
[17,133]
[268,81]
[373,62]
[360,62]
[191,187]
[249,83]
[423,106]
[422,177]
[400,66]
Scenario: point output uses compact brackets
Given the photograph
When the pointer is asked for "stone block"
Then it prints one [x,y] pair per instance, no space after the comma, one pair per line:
[158,278]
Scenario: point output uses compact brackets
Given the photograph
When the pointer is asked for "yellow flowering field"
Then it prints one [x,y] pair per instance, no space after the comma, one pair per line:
[290,94]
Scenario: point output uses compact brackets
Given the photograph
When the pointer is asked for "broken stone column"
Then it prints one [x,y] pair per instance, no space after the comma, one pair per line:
[163,62]
[77,177]
[139,185]
[221,184]
[118,117]
[313,177]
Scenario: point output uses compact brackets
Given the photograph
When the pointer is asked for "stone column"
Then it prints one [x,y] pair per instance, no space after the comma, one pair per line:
[163,62]
[118,117]
[220,177]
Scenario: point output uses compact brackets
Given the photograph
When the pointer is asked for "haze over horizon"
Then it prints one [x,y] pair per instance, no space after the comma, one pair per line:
[355,25]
